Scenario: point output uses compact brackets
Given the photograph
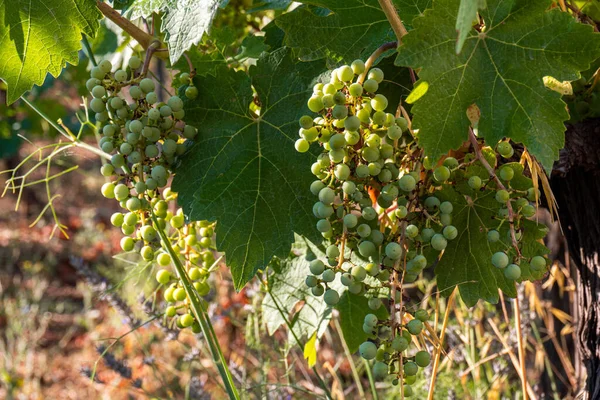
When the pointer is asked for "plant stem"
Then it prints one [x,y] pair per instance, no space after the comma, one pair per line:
[438,353]
[394,19]
[143,38]
[371,60]
[88,50]
[486,165]
[201,315]
[361,391]
[521,349]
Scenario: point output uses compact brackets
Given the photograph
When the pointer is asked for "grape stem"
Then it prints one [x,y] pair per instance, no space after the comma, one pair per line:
[152,48]
[486,165]
[394,19]
[376,54]
[143,38]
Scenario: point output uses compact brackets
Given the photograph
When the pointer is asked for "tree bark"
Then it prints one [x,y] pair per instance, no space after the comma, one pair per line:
[576,184]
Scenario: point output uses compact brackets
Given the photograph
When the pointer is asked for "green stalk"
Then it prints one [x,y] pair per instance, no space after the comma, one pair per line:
[88,50]
[201,315]
[371,380]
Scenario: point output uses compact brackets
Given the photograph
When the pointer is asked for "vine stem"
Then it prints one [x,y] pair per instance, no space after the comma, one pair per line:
[371,60]
[394,19]
[201,315]
[88,50]
[486,165]
[143,38]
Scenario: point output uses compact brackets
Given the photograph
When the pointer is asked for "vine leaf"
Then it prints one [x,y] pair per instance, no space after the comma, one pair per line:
[342,30]
[466,261]
[244,171]
[40,37]
[467,14]
[353,309]
[185,22]
[501,70]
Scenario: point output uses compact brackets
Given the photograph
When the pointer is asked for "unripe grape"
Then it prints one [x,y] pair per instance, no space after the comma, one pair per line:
[127,243]
[446,207]
[120,76]
[368,350]
[316,267]
[380,370]
[438,242]
[500,259]
[105,66]
[376,74]
[411,368]
[345,73]
[502,196]
[315,104]
[363,230]
[171,311]
[91,83]
[414,326]
[367,249]
[512,272]
[506,173]
[407,183]
[108,190]
[399,344]
[375,303]
[493,236]
[422,315]
[169,294]
[148,233]
[355,89]
[450,232]
[147,85]
[441,174]
[179,294]
[134,204]
[331,297]
[350,220]
[97,105]
[134,62]
[528,211]
[371,85]
[323,225]
[422,358]
[505,149]
[147,253]
[371,320]
[327,195]
[163,259]
[186,320]
[379,102]
[538,263]
[475,182]
[393,250]
[163,276]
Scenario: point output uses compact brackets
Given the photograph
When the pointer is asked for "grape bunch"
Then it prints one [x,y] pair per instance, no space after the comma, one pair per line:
[145,137]
[386,212]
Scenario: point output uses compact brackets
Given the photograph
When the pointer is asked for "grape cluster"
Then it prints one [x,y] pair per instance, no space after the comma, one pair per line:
[383,208]
[145,137]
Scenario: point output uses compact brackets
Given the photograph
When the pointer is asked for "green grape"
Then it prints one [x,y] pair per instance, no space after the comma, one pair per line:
[127,243]
[475,182]
[147,85]
[502,196]
[315,104]
[120,76]
[163,259]
[332,251]
[175,103]
[148,233]
[380,370]
[97,105]
[358,67]
[342,172]
[493,236]
[512,272]
[147,253]
[302,146]
[134,62]
[451,162]
[411,368]
[446,207]
[186,320]
[306,122]
[422,358]
[450,232]
[97,73]
[507,173]
[368,350]
[407,183]
[117,219]
[371,320]
[108,190]
[399,344]
[393,250]
[323,225]
[355,90]
[345,73]
[339,98]
[375,303]
[327,196]
[133,204]
[372,269]
[371,85]
[163,276]
[91,83]
[121,192]
[422,315]
[505,149]
[328,275]
[191,92]
[379,102]
[98,91]
[432,203]
[414,326]
[533,194]
[311,281]
[500,259]
[107,147]
[339,112]
[316,267]
[168,295]
[438,242]
[412,231]
[331,297]
[202,288]
[441,174]
[367,249]
[195,274]
[105,66]
[538,263]
[130,219]
[376,74]
[350,220]
[427,234]
[363,230]
[528,211]
[170,311]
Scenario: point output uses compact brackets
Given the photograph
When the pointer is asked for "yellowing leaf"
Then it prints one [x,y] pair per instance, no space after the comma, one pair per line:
[419,91]
[310,350]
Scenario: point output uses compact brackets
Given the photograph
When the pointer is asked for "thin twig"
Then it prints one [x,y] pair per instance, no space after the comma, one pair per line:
[521,347]
[486,165]
[438,353]
[143,38]
[371,60]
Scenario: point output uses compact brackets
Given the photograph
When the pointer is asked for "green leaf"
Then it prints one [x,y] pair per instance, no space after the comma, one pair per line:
[244,171]
[252,47]
[343,30]
[500,70]
[40,37]
[264,5]
[467,15]
[353,309]
[466,262]
[185,22]
[145,8]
